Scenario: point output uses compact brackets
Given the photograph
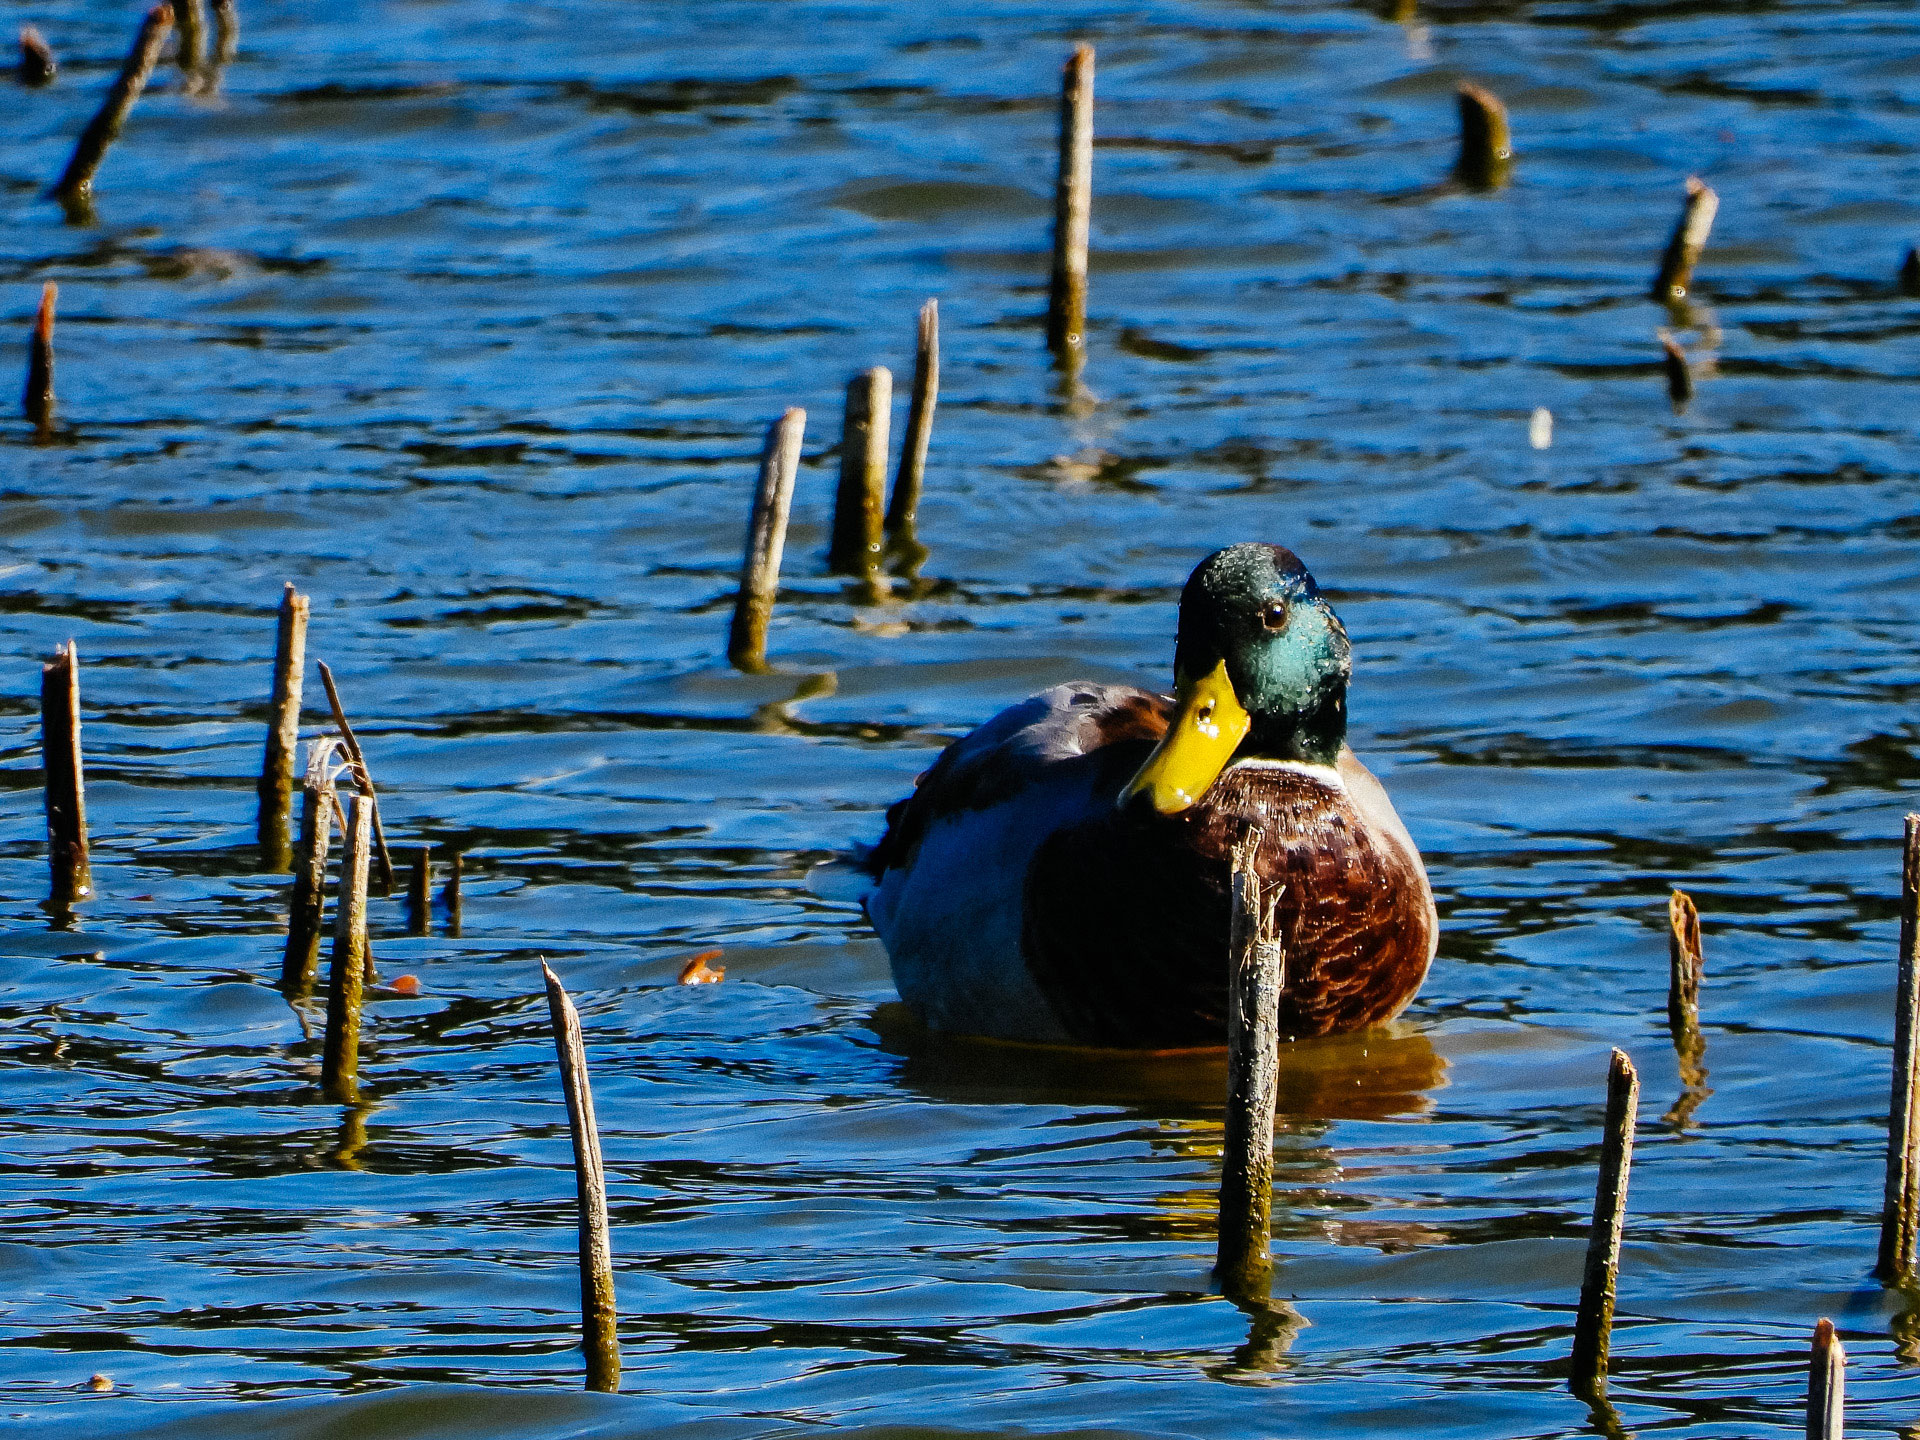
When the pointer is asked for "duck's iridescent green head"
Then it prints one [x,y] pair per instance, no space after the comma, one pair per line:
[1260,671]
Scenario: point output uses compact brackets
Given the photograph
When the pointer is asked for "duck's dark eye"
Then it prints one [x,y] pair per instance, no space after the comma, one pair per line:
[1274,617]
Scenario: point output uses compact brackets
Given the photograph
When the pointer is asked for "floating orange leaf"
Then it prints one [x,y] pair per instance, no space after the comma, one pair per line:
[697,972]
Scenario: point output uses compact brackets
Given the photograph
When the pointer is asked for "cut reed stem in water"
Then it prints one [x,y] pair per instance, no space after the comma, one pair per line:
[283,728]
[860,501]
[37,65]
[307,899]
[1900,1212]
[191,16]
[766,542]
[1243,1262]
[1072,212]
[450,895]
[362,777]
[74,188]
[904,504]
[1910,272]
[346,977]
[1486,140]
[36,401]
[1593,1327]
[1826,1385]
[420,891]
[598,1325]
[1689,238]
[68,856]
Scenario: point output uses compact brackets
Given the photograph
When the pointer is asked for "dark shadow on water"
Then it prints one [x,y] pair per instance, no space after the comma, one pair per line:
[1377,1075]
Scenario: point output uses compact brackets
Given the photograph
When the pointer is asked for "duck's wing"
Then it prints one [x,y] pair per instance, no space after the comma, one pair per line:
[951,874]
[1018,752]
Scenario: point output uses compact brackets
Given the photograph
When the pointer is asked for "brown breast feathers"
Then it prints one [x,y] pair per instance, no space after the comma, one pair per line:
[1127,915]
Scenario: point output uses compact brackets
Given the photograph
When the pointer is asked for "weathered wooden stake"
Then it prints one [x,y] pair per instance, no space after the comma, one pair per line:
[37,65]
[191,15]
[907,481]
[766,542]
[599,1333]
[450,895]
[346,977]
[859,503]
[1689,238]
[1826,1385]
[1256,975]
[362,777]
[419,891]
[66,785]
[1901,1208]
[36,401]
[283,728]
[1072,212]
[74,188]
[1593,1327]
[1486,140]
[308,896]
[1679,374]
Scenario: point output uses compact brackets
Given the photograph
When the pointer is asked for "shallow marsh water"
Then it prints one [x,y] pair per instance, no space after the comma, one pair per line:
[468,319]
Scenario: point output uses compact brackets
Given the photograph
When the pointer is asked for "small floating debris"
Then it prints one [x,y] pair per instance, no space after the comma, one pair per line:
[1540,428]
[99,1384]
[698,972]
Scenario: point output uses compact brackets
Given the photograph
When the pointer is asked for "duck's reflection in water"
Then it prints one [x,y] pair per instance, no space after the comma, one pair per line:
[1382,1074]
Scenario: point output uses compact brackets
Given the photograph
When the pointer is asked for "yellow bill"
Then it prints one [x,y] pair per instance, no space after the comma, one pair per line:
[1208,725]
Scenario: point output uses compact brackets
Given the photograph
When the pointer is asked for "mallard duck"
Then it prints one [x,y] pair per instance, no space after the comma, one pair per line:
[1061,874]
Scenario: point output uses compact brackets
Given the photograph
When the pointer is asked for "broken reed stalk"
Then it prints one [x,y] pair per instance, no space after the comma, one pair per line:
[36,401]
[1826,1385]
[1900,1213]
[308,896]
[1593,1327]
[346,977]
[1072,212]
[599,1334]
[1910,272]
[1685,963]
[191,16]
[860,502]
[1679,373]
[226,32]
[37,65]
[450,895]
[1689,238]
[362,777]
[1486,140]
[419,891]
[904,504]
[766,542]
[283,727]
[66,785]
[1256,974]
[74,188]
